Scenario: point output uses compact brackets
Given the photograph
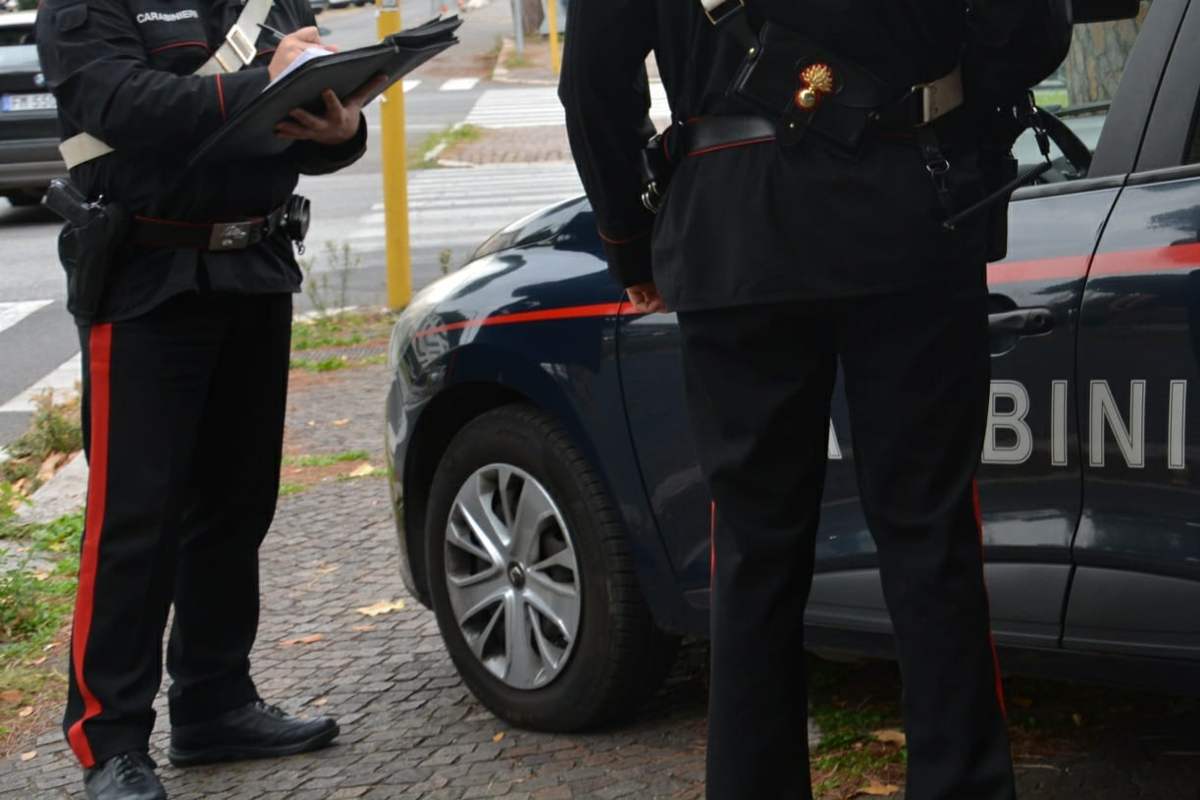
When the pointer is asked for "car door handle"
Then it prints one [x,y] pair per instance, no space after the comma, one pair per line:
[1021,322]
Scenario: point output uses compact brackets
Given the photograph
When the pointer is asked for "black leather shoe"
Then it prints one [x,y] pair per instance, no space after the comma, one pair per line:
[129,776]
[256,730]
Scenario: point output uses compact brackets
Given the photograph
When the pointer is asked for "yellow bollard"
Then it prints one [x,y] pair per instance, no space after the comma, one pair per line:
[395,175]
[555,55]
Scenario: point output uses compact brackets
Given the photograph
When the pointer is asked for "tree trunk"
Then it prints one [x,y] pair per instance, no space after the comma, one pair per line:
[532,16]
[1097,59]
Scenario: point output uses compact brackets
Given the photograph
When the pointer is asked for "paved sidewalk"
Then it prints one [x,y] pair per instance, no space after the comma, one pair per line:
[411,730]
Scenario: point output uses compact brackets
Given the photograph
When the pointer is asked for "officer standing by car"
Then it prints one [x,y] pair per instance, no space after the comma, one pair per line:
[818,150]
[185,326]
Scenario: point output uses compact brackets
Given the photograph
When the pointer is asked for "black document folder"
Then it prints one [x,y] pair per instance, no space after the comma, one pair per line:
[251,132]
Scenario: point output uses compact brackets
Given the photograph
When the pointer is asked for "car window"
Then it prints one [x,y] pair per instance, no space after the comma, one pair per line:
[11,35]
[1080,91]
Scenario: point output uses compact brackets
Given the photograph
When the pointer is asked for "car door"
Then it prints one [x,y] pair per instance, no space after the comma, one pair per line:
[1136,585]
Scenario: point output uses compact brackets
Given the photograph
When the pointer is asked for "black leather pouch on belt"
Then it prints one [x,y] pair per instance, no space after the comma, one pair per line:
[771,77]
[87,245]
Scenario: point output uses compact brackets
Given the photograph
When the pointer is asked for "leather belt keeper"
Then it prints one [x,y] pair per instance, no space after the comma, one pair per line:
[216,236]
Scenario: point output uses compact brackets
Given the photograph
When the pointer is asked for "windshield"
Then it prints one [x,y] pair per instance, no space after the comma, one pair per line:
[11,35]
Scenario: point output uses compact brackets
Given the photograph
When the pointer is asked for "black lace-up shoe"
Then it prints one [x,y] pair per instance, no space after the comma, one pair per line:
[129,776]
[256,730]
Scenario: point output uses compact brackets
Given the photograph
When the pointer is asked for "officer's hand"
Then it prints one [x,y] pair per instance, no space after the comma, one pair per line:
[293,45]
[645,298]
[341,120]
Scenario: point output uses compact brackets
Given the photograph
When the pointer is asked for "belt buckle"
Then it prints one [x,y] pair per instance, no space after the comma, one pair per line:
[718,12]
[241,46]
[940,97]
[231,235]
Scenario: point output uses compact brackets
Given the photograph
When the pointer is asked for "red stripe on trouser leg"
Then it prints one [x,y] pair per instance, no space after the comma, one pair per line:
[991,639]
[99,368]
[712,544]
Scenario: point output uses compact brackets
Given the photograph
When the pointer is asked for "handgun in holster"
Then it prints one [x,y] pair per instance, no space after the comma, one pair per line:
[87,245]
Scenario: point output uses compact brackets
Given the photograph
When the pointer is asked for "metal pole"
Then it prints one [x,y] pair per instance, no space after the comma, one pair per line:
[555,54]
[519,22]
[395,175]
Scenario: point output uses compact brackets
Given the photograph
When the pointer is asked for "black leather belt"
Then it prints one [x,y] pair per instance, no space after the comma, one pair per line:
[709,134]
[218,236]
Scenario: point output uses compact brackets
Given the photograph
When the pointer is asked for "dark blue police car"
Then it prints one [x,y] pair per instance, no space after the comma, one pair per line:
[551,511]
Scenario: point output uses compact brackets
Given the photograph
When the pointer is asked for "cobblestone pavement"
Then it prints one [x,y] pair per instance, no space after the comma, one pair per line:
[410,728]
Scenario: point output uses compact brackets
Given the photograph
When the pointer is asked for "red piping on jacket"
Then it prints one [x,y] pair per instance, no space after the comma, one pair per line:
[991,639]
[1148,260]
[729,146]
[203,45]
[100,368]
[220,94]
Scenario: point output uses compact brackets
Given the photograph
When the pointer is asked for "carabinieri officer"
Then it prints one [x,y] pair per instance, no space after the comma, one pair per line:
[802,230]
[185,370]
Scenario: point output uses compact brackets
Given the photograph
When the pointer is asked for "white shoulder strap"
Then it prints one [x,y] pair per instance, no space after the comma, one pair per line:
[235,52]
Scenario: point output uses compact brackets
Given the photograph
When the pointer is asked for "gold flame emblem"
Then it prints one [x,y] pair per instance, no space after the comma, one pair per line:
[816,80]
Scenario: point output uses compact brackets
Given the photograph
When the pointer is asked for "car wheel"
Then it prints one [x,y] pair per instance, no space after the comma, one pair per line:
[532,579]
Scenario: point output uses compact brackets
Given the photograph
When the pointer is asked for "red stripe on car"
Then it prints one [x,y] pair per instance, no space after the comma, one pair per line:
[1155,259]
[100,370]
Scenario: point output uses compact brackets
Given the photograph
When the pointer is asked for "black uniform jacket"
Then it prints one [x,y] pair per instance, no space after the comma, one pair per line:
[122,71]
[763,223]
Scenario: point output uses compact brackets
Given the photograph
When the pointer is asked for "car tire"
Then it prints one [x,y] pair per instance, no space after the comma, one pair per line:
[618,656]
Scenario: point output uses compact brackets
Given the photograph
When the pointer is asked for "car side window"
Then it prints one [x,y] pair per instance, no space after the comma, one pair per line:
[1081,90]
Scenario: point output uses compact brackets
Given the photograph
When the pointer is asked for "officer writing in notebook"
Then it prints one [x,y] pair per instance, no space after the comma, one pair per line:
[185,368]
[802,231]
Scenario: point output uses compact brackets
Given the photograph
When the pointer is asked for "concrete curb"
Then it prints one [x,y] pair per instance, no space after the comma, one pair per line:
[502,74]
[65,493]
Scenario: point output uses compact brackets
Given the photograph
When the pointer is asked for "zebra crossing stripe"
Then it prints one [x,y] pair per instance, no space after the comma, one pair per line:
[538,107]
[61,382]
[459,85]
[12,313]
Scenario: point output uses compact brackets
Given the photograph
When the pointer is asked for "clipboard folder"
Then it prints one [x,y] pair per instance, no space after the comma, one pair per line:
[251,132]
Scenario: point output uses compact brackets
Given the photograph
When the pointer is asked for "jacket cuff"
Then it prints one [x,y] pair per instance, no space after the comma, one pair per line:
[235,90]
[629,260]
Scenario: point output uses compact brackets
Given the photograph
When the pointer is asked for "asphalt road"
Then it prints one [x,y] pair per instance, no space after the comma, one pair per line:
[35,340]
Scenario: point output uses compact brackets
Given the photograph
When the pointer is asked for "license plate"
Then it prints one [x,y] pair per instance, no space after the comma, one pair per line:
[28,102]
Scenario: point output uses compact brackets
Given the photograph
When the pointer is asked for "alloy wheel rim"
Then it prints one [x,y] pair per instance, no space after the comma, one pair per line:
[512,576]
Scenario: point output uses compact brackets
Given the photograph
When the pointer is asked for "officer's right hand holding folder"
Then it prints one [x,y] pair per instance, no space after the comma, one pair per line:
[321,89]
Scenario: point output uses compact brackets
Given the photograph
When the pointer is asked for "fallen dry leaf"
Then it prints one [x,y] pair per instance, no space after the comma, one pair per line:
[25,712]
[341,423]
[327,570]
[320,701]
[890,736]
[37,662]
[362,628]
[498,737]
[382,607]
[1022,702]
[11,696]
[1077,718]
[310,639]
[877,789]
[363,471]
[32,754]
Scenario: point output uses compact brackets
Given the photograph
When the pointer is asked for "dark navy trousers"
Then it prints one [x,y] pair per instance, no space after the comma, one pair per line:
[760,380]
[183,424]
